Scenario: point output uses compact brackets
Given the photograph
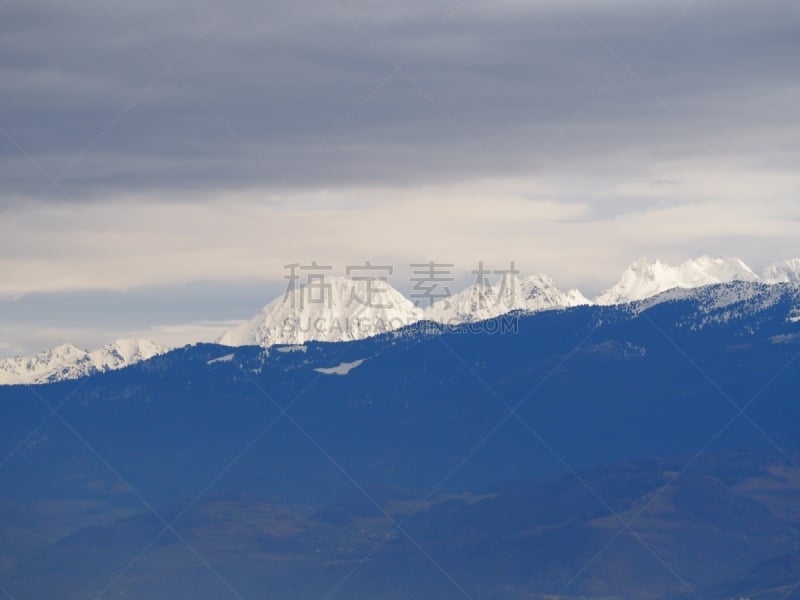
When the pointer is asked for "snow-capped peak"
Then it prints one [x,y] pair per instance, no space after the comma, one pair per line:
[70,362]
[331,309]
[476,303]
[645,278]
[344,309]
[787,271]
[485,301]
[540,292]
[124,352]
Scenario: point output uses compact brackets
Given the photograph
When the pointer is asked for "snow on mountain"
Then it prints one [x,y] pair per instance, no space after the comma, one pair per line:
[341,369]
[63,362]
[644,279]
[727,302]
[124,352]
[539,292]
[486,301]
[344,309]
[70,362]
[787,271]
[332,310]
[476,303]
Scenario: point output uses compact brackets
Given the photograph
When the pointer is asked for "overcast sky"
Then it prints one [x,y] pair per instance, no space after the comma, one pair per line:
[162,160]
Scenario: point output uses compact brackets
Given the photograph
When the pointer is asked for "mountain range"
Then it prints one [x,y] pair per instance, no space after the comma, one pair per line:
[70,362]
[642,451]
[344,309]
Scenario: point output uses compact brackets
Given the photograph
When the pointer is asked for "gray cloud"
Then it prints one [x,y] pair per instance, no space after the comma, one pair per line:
[270,82]
[172,314]
[513,132]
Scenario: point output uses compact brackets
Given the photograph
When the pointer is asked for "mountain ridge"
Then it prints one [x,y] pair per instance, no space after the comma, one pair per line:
[358,308]
[645,279]
[485,301]
[67,361]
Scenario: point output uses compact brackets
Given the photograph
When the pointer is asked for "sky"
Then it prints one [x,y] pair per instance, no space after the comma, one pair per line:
[162,161]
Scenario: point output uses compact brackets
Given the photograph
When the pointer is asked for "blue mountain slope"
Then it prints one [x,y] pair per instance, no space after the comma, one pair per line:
[331,430]
[589,385]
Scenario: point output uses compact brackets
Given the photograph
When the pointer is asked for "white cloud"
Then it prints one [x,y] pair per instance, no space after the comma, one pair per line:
[180,334]
[515,157]
[543,225]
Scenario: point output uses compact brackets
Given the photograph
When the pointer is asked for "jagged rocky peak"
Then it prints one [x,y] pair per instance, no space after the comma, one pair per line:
[645,278]
[70,362]
[510,293]
[786,271]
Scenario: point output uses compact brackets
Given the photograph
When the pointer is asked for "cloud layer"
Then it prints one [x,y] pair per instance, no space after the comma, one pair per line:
[150,144]
[177,96]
